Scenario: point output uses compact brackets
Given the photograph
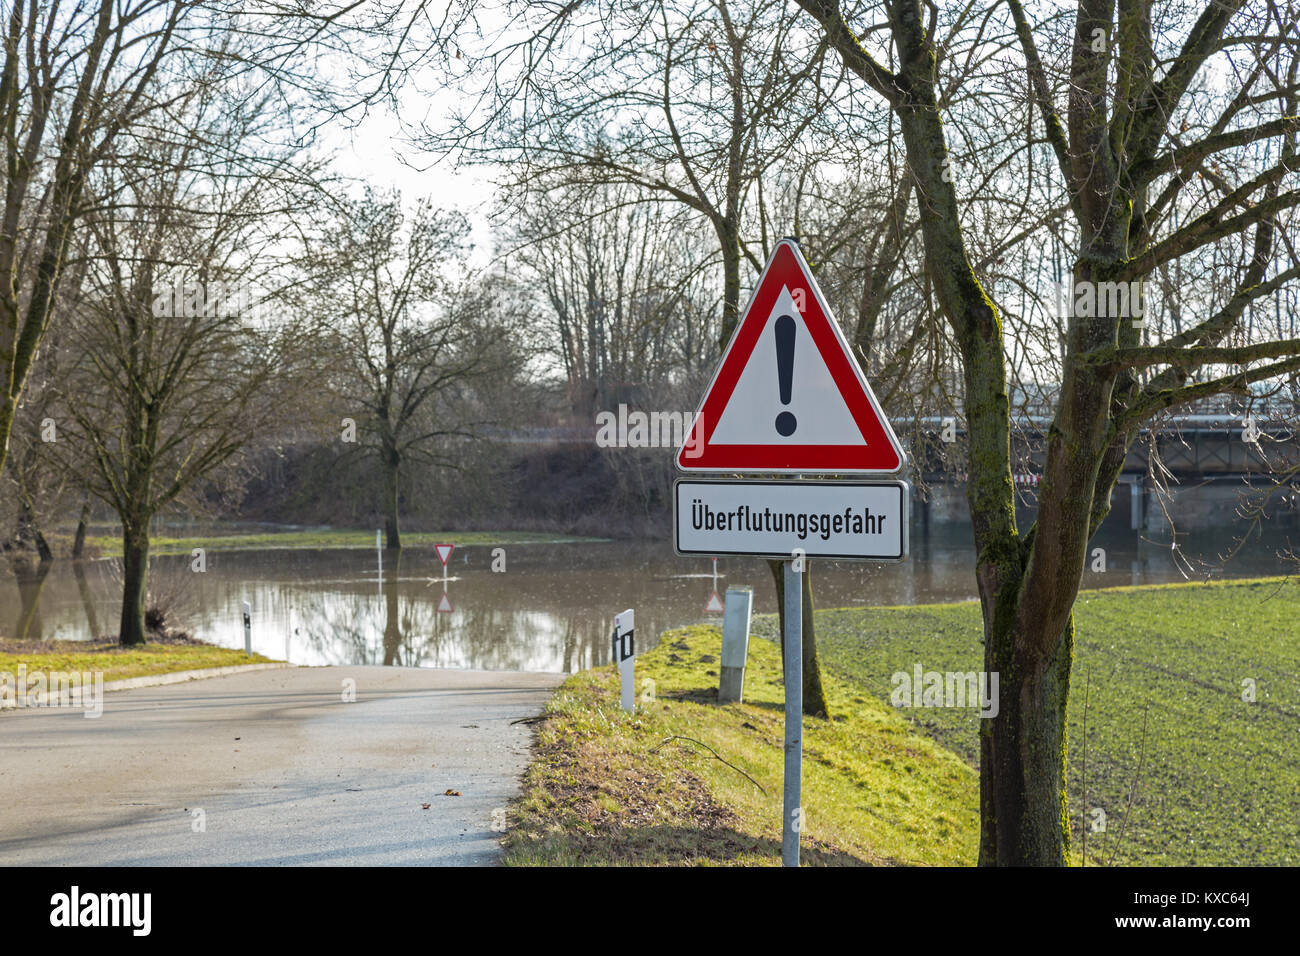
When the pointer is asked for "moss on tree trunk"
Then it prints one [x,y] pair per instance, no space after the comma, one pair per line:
[1022,757]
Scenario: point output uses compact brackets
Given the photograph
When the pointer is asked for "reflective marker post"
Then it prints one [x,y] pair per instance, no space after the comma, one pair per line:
[624,656]
[735,644]
[793,715]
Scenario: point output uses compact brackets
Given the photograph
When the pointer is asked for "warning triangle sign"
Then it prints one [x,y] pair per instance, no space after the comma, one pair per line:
[788,395]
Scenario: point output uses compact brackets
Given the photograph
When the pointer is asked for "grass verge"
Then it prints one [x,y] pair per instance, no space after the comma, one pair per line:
[608,787]
[1213,778]
[117,662]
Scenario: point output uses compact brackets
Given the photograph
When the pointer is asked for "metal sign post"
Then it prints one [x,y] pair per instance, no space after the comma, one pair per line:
[793,715]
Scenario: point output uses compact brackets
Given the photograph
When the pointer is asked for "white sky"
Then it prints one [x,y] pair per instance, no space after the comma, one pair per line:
[374,151]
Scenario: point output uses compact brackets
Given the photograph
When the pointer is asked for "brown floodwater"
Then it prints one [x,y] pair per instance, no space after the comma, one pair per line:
[551,609]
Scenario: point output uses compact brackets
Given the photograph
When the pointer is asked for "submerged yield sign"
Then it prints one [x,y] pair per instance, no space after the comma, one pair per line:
[860,520]
[788,395]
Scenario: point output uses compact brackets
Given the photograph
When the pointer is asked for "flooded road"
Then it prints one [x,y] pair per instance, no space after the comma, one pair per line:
[550,609]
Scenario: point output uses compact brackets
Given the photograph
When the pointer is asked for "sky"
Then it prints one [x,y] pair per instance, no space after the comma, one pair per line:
[375,151]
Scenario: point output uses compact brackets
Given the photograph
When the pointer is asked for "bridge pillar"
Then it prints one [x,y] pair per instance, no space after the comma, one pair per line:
[1136,500]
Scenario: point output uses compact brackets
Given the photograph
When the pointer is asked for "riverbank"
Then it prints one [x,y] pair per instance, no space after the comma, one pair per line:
[219,539]
[607,787]
[116,662]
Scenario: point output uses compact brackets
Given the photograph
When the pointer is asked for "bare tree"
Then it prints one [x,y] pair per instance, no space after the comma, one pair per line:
[1129,132]
[624,288]
[407,332]
[163,386]
[73,79]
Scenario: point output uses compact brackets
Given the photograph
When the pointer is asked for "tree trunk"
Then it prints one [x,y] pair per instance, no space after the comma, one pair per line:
[79,541]
[730,285]
[1022,757]
[8,406]
[814,696]
[135,569]
[391,464]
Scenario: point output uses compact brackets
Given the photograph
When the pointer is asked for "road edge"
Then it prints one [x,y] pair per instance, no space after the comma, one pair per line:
[40,698]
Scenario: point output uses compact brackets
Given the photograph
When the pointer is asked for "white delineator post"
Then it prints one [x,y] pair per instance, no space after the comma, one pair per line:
[625,656]
[735,644]
[248,629]
[793,715]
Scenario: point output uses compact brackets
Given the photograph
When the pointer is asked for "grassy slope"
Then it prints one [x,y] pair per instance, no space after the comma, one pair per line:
[1221,779]
[118,663]
[605,788]
[111,546]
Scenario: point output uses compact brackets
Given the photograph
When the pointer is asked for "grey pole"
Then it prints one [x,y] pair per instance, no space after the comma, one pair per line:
[793,715]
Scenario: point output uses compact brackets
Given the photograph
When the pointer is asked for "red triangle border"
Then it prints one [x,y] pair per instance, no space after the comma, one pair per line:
[880,455]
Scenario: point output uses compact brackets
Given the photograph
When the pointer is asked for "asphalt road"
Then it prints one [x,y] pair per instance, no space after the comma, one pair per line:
[283,771]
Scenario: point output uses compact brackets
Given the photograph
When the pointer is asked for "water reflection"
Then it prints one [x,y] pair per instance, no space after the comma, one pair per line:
[29,576]
[551,610]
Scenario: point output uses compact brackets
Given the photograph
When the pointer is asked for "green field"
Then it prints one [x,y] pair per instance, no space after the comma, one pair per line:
[1220,779]
[608,787]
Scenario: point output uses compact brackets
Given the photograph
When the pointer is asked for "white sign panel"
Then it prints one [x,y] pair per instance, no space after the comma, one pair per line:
[854,520]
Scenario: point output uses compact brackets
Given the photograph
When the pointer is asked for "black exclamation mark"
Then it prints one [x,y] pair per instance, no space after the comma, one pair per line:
[785,422]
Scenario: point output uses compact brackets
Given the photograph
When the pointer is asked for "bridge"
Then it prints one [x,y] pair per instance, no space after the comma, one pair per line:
[1205,450]
[1204,456]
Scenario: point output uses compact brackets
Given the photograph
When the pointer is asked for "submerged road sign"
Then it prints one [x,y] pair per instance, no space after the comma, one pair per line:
[856,520]
[788,395]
